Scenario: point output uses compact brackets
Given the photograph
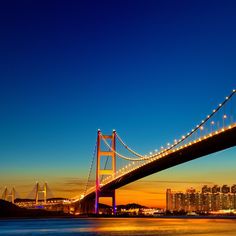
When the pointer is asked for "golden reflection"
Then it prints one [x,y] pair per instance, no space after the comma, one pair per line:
[161,226]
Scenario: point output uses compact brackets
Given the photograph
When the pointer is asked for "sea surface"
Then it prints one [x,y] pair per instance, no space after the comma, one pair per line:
[118,226]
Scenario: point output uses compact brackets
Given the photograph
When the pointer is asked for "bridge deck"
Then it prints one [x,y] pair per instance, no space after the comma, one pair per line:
[217,142]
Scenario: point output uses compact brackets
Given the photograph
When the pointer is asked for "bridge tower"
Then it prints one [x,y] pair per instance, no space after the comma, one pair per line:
[100,172]
[41,190]
[7,195]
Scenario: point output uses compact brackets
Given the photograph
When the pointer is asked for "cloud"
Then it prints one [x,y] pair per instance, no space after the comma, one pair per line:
[27,186]
[70,185]
[74,181]
[72,190]
[149,186]
[153,192]
[70,182]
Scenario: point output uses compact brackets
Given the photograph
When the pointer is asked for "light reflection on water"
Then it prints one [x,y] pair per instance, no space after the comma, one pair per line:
[118,226]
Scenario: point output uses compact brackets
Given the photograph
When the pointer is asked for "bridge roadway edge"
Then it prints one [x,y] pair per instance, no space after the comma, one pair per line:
[216,143]
[205,147]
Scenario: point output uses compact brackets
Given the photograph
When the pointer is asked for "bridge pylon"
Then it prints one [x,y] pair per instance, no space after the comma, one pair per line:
[11,195]
[41,190]
[99,171]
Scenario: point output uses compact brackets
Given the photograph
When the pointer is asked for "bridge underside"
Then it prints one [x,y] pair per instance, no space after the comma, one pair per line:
[86,205]
[205,147]
[213,144]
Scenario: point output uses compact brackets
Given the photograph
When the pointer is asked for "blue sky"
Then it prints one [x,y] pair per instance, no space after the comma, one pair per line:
[150,69]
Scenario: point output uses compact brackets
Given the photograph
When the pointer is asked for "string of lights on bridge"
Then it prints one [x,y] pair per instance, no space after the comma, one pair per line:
[176,142]
[141,160]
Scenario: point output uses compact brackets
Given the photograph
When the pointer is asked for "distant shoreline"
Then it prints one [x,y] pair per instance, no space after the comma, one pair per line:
[107,217]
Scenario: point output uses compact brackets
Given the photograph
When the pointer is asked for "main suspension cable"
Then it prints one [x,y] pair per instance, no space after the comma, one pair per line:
[221,105]
[127,147]
[122,156]
[91,167]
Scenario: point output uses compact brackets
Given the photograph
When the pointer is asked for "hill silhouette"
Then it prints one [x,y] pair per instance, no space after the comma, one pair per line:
[130,206]
[8,209]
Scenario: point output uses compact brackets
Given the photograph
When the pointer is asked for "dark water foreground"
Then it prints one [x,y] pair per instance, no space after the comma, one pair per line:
[118,226]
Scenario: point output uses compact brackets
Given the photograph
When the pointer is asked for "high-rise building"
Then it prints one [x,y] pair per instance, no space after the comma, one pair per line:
[210,199]
[179,202]
[215,189]
[216,202]
[169,200]
[205,202]
[191,200]
[225,189]
[225,201]
[233,188]
[233,201]
[206,189]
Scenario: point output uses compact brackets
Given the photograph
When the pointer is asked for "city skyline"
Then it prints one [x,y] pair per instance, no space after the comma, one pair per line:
[157,73]
[209,199]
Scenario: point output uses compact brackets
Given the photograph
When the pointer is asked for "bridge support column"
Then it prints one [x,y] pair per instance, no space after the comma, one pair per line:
[7,195]
[38,190]
[114,202]
[100,172]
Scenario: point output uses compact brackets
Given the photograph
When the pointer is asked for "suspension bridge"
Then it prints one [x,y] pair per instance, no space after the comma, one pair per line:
[38,196]
[111,169]
[41,197]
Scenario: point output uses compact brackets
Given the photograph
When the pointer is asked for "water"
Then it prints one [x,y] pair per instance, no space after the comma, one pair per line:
[118,226]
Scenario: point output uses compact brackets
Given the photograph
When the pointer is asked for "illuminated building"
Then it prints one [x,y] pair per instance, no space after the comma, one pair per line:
[178,201]
[191,200]
[169,200]
[206,189]
[206,201]
[215,201]
[225,189]
[209,199]
[215,189]
[233,189]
